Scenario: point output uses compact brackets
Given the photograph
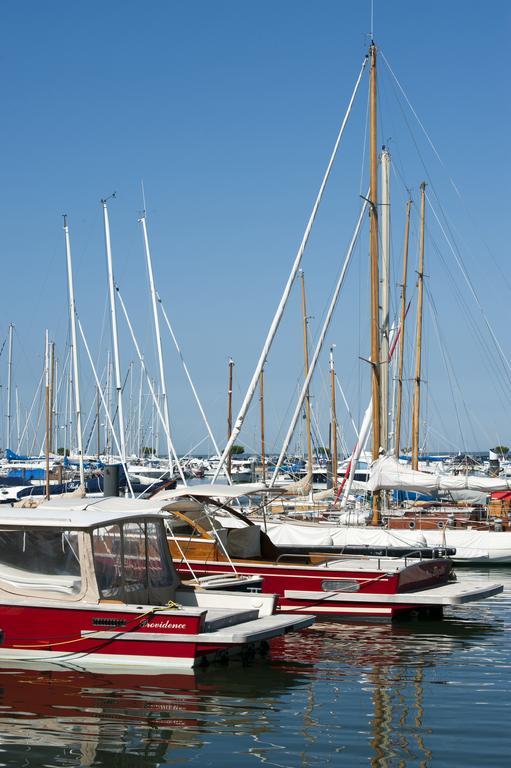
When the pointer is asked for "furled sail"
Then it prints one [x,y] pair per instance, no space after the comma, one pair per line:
[300,487]
[388,474]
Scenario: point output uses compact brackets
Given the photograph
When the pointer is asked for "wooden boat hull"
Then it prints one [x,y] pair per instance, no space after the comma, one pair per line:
[327,590]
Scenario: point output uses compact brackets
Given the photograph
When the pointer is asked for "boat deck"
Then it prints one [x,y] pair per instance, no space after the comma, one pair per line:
[455,593]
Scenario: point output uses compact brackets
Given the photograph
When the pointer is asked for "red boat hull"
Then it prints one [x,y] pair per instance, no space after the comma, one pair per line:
[326,591]
[124,636]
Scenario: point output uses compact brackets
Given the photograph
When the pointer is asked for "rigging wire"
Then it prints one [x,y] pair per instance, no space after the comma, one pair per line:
[452,240]
[447,363]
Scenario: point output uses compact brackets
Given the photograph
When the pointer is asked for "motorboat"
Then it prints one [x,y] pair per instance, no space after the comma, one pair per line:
[92,582]
[305,577]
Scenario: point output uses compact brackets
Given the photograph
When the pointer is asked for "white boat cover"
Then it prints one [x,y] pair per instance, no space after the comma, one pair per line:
[325,535]
[297,535]
[471,545]
[355,516]
[388,474]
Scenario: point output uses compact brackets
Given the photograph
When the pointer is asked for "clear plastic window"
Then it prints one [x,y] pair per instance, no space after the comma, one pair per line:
[132,563]
[106,543]
[42,560]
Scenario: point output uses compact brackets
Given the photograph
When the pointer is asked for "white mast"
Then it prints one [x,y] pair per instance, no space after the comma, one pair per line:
[108,400]
[154,300]
[385,298]
[115,339]
[190,381]
[105,406]
[72,317]
[9,389]
[139,416]
[287,290]
[151,389]
[47,412]
[17,420]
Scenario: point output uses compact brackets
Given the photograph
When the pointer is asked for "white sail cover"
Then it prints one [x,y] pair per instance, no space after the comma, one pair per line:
[388,474]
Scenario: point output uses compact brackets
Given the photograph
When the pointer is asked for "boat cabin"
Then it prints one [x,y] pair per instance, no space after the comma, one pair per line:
[85,554]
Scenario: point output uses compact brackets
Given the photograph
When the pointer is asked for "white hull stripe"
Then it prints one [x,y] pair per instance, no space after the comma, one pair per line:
[94,659]
[332,610]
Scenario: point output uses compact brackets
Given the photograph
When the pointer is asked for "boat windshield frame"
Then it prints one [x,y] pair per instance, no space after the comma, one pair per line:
[122,552]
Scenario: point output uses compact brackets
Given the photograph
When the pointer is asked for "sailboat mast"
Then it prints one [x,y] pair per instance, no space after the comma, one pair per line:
[72,317]
[334,419]
[115,338]
[418,348]
[52,392]
[385,297]
[402,332]
[108,386]
[156,320]
[373,250]
[229,414]
[261,403]
[305,322]
[17,402]
[9,389]
[47,412]
[98,435]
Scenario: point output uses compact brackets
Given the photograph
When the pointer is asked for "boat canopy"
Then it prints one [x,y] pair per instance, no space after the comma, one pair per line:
[80,513]
[96,552]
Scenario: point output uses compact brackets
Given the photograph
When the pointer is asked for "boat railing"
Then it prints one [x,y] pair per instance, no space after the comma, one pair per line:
[323,555]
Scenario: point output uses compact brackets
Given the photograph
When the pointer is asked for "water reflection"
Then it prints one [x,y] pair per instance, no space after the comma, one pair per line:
[82,719]
[338,694]
[384,686]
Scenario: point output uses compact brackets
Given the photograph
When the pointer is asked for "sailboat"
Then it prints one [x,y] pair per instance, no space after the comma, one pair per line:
[494,546]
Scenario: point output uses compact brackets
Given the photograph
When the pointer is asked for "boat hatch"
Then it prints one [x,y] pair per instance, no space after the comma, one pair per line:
[133,564]
[41,560]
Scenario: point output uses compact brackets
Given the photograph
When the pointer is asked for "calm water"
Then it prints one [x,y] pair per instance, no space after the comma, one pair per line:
[416,694]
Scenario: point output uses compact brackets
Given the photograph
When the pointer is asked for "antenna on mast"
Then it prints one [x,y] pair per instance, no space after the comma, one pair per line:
[372,21]
[143,196]
[106,199]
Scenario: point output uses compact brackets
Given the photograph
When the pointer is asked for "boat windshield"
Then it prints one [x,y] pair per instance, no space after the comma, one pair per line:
[42,560]
[133,564]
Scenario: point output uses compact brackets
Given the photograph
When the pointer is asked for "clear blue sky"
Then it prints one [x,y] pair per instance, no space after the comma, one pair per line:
[228,111]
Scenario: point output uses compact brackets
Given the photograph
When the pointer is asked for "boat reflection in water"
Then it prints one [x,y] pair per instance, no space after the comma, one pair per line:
[69,715]
[344,694]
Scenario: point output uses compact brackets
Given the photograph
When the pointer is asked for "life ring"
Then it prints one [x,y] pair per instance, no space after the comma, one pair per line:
[440,524]
[411,524]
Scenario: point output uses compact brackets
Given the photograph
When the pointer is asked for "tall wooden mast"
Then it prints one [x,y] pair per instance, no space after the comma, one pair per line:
[306,369]
[418,348]
[373,250]
[402,333]
[385,299]
[229,413]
